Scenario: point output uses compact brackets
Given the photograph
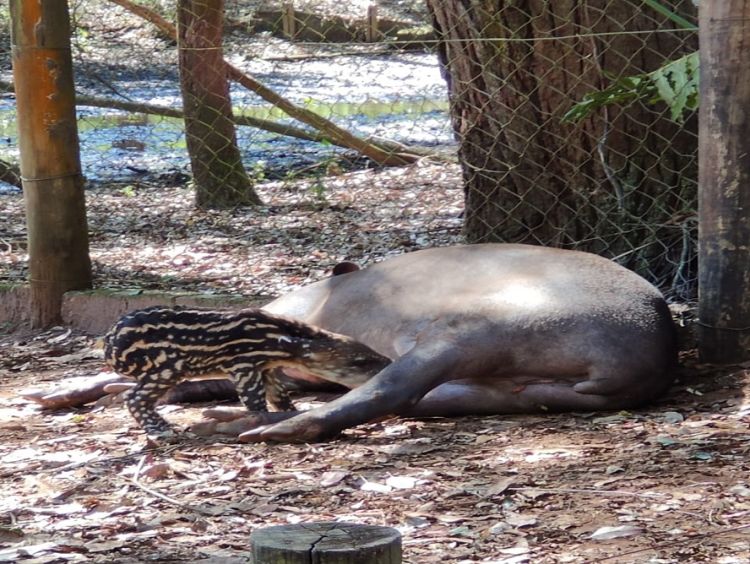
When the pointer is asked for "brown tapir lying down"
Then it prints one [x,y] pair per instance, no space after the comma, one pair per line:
[484,329]
[480,329]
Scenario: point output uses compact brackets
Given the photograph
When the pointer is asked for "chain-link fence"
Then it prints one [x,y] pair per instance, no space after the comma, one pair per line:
[297,107]
[619,181]
[271,90]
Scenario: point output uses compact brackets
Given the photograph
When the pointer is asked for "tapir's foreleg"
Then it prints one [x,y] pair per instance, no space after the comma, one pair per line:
[394,390]
[141,402]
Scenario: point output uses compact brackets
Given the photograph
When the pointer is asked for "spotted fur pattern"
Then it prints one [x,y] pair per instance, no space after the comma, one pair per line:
[161,346]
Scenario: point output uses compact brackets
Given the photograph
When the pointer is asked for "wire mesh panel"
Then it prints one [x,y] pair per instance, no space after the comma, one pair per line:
[299,107]
[228,99]
[618,181]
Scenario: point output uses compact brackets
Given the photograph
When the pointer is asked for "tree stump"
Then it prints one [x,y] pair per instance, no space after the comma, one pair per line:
[326,543]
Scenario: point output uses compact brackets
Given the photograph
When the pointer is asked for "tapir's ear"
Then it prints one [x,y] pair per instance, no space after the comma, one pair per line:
[344,268]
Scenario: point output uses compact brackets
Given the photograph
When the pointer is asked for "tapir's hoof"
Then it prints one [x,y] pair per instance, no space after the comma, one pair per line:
[231,427]
[76,394]
[226,413]
[233,422]
[286,432]
[119,387]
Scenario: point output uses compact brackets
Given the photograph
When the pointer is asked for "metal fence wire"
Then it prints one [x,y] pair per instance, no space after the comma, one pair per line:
[619,181]
[265,90]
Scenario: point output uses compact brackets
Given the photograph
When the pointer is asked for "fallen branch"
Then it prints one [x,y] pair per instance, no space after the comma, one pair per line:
[165,111]
[10,173]
[379,153]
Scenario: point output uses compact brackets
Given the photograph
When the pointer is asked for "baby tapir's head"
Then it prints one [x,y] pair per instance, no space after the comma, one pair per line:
[318,354]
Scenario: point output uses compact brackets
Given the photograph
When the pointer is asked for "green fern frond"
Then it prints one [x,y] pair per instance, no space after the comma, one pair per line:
[675,84]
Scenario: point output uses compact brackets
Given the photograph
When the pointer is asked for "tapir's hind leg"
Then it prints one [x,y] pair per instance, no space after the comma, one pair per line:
[627,384]
[605,387]
[465,397]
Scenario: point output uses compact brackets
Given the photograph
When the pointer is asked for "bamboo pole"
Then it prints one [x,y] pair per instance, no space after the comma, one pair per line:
[724,180]
[50,162]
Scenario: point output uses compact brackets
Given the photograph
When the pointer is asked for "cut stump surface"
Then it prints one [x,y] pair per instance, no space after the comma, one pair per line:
[326,543]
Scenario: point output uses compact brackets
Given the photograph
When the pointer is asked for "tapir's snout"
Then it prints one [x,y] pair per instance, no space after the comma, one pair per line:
[348,363]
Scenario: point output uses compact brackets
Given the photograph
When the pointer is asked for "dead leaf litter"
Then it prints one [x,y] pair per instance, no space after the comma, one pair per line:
[637,486]
[668,483]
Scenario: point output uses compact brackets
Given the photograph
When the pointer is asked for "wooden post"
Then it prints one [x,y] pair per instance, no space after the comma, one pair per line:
[724,181]
[50,162]
[326,543]
[372,34]
[288,21]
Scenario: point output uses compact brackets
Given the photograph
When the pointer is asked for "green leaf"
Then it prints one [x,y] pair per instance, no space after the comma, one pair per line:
[669,14]
[676,84]
[623,91]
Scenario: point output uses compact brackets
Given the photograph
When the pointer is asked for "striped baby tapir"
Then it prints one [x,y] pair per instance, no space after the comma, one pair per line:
[161,346]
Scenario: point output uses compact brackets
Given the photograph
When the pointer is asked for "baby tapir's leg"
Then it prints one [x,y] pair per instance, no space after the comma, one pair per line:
[141,402]
[277,392]
[248,380]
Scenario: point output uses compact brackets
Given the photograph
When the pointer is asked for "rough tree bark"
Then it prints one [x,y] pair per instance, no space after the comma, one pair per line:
[724,306]
[50,163]
[219,176]
[529,176]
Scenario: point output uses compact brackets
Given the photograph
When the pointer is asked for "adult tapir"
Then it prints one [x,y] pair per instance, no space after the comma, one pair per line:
[485,329]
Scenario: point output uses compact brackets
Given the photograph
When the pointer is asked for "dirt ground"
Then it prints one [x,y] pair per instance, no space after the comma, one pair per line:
[148,235]
[667,483]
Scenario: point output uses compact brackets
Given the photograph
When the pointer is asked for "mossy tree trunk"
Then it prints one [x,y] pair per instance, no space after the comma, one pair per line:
[219,176]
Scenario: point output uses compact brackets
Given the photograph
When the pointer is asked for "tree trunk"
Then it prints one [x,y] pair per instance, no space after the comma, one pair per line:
[619,180]
[50,162]
[724,307]
[220,179]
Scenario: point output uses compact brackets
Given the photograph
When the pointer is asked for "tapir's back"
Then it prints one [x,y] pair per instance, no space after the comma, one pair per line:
[497,281]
